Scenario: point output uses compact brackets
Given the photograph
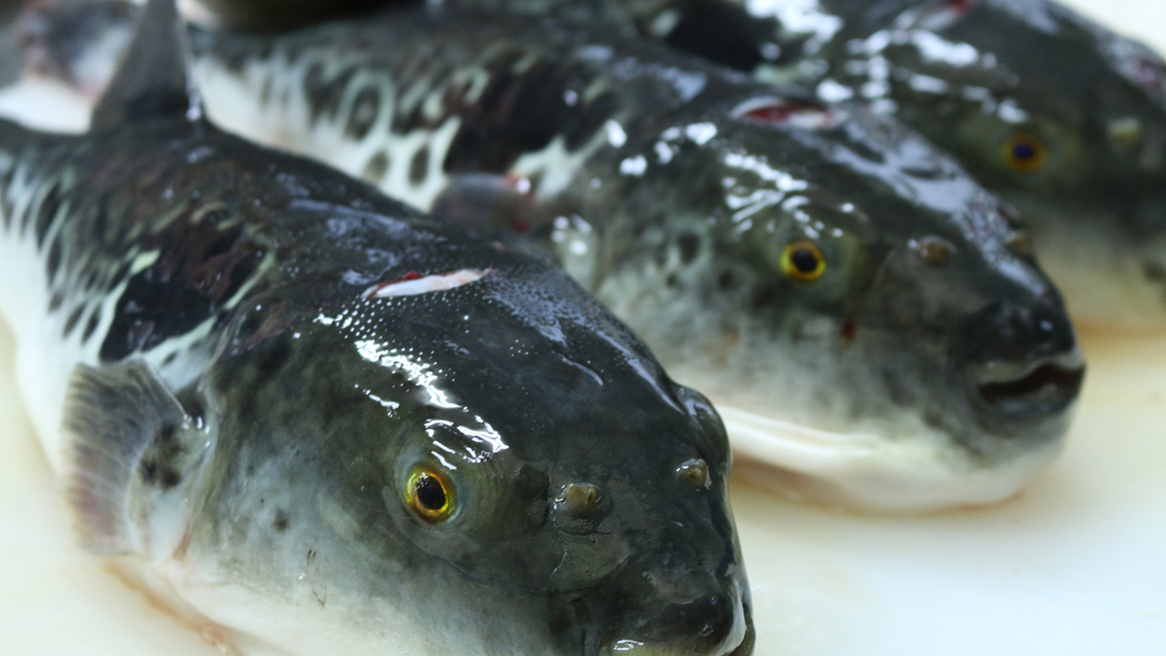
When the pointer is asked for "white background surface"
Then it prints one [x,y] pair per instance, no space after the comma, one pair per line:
[1074,567]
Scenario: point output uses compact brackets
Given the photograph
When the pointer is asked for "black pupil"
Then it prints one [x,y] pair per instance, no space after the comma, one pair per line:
[430,493]
[1024,151]
[804,260]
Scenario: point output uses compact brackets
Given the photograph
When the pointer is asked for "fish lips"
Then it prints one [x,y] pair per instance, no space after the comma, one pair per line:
[1020,368]
[1031,389]
[717,623]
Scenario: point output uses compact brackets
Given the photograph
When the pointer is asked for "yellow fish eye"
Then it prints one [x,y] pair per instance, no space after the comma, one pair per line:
[802,261]
[1024,153]
[429,494]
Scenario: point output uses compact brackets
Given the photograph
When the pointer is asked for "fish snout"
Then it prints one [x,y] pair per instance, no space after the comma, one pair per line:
[1023,363]
[689,620]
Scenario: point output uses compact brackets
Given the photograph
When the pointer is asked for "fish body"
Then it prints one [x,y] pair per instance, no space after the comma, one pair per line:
[313,421]
[1052,112]
[862,312]
[678,193]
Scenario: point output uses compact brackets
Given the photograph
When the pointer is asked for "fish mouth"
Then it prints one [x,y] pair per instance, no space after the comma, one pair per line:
[677,635]
[1031,389]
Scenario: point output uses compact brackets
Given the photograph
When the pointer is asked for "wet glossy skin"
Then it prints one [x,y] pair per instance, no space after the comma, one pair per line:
[316,386]
[1059,116]
[687,185]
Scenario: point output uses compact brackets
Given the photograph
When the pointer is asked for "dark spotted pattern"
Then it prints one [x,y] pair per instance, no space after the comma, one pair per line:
[160,465]
[376,168]
[523,107]
[419,165]
[366,108]
[325,89]
[91,325]
[522,112]
[199,268]
[53,261]
[49,206]
[693,173]
[71,322]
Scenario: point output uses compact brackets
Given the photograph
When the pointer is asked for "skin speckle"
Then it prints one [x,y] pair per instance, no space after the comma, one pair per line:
[53,261]
[376,168]
[726,280]
[324,91]
[71,322]
[161,475]
[280,523]
[366,109]
[419,166]
[46,212]
[689,247]
[266,89]
[91,325]
[6,205]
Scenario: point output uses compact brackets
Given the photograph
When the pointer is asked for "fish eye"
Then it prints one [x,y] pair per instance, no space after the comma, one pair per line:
[935,251]
[802,261]
[429,494]
[1018,242]
[579,499]
[1024,153]
[695,473]
[1125,133]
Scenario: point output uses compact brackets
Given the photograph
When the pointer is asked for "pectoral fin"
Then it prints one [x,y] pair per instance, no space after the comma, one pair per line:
[115,418]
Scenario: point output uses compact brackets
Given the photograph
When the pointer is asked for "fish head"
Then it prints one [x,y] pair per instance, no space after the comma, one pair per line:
[480,459]
[1056,113]
[837,273]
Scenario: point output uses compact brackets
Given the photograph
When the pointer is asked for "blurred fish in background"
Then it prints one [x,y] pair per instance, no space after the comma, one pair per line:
[1058,115]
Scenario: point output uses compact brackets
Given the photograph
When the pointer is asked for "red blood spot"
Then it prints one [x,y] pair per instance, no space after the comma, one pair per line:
[848,331]
[786,111]
[960,7]
[411,275]
[520,226]
[804,114]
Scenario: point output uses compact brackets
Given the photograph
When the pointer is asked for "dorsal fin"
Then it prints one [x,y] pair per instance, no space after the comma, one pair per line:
[154,77]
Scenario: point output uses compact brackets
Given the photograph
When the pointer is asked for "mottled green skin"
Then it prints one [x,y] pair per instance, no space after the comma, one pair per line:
[653,184]
[684,205]
[309,403]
